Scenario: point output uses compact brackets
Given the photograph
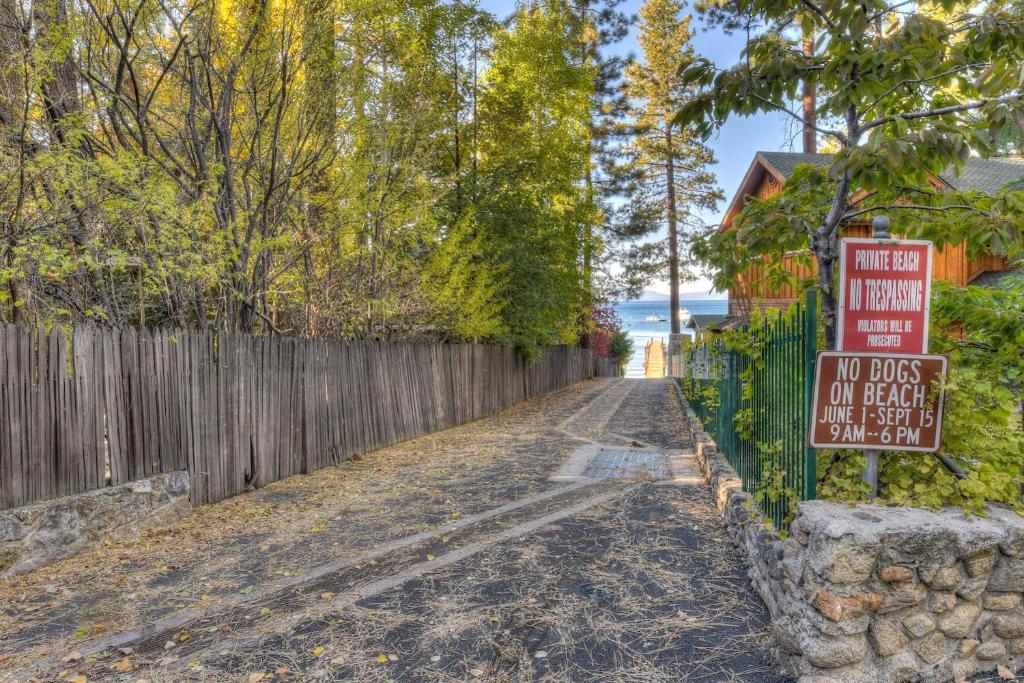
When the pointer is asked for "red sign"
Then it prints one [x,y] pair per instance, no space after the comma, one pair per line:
[881,401]
[884,293]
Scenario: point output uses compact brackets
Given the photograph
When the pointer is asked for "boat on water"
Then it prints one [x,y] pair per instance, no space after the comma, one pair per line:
[656,318]
[684,314]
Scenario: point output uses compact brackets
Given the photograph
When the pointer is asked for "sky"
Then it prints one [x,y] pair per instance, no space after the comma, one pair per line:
[734,145]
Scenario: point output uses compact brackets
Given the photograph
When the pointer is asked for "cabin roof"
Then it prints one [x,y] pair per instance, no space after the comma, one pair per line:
[978,175]
[999,278]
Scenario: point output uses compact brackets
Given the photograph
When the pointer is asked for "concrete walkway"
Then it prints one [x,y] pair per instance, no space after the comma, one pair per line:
[566,539]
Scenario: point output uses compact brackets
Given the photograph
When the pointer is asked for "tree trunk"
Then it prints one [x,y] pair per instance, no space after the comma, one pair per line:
[823,246]
[810,105]
[673,236]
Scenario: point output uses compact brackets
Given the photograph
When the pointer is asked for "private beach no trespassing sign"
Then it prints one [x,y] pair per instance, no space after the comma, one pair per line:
[884,293]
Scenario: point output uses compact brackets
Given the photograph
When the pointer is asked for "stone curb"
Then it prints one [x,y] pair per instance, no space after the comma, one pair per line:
[39,534]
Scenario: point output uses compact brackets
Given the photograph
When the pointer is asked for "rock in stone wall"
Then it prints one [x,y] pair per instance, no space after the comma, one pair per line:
[877,593]
[36,535]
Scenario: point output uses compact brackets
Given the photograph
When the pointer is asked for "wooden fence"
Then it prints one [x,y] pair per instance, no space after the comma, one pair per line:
[238,411]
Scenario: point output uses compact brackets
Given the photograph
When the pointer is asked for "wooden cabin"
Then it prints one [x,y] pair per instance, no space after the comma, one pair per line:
[766,177]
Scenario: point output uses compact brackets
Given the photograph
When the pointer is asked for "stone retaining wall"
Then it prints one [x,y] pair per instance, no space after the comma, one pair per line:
[876,593]
[36,535]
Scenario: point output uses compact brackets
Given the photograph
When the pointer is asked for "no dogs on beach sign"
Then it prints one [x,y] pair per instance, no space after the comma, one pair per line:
[884,290]
[880,401]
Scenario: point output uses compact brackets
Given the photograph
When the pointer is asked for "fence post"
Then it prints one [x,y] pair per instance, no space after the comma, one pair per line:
[810,358]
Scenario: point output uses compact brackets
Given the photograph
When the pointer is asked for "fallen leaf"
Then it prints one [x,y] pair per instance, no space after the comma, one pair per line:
[73,657]
[78,679]
[430,558]
[476,673]
[124,666]
[393,658]
[281,671]
[319,650]
[5,657]
[327,596]
[170,644]
[183,636]
[540,654]
[204,597]
[265,612]
[338,661]
[247,590]
[383,659]
[257,677]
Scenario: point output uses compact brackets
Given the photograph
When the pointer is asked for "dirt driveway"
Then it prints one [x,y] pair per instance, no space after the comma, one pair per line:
[565,539]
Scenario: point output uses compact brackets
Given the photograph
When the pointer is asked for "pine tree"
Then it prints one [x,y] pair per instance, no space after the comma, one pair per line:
[666,167]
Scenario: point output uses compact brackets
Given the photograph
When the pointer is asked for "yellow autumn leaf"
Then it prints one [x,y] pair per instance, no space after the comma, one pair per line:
[383,659]
[319,650]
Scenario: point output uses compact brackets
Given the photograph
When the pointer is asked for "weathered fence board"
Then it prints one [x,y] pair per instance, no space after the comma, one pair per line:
[238,411]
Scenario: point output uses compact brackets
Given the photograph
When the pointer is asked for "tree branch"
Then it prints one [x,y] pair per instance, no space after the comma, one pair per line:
[916,207]
[941,111]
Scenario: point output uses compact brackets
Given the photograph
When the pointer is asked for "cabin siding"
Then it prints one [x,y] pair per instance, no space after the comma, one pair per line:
[950,263]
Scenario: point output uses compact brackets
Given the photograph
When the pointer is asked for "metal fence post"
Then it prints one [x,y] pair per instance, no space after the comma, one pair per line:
[810,358]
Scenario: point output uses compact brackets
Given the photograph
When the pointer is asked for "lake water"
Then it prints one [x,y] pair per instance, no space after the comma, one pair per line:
[634,321]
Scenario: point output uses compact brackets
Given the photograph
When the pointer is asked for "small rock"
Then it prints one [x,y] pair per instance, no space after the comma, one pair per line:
[980,563]
[435,659]
[170,645]
[944,579]
[392,657]
[991,650]
[931,648]
[903,594]
[918,624]
[895,572]
[959,621]
[968,646]
[476,673]
[840,607]
[1005,673]
[843,560]
[886,637]
[963,669]
[1013,545]
[941,601]
[1008,575]
[972,589]
[1008,626]
[1017,647]
[540,654]
[51,590]
[1001,602]
[900,668]
[831,652]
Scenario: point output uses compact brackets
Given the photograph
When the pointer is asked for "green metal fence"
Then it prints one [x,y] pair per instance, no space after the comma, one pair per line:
[753,396]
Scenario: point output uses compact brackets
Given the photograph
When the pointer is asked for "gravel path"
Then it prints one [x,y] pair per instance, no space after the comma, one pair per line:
[450,557]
